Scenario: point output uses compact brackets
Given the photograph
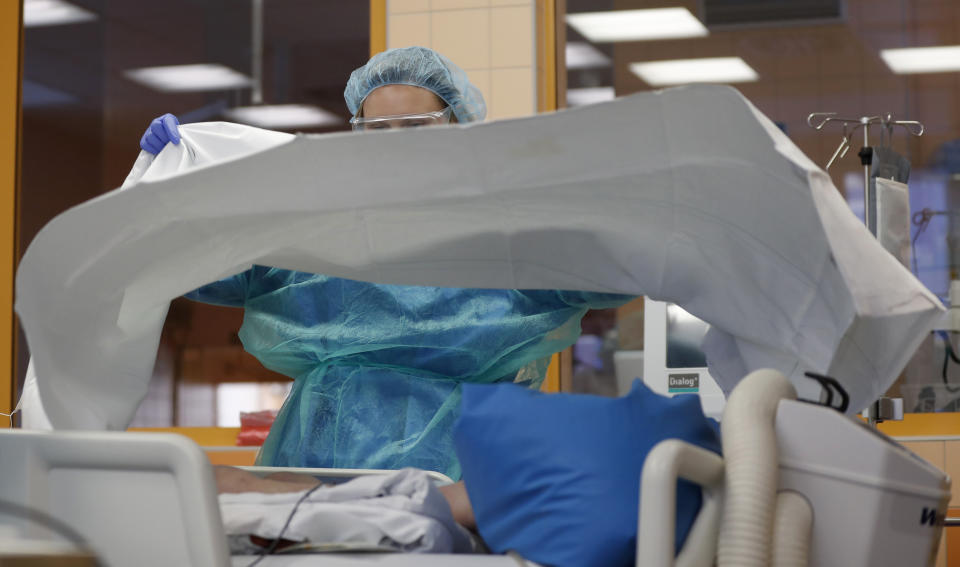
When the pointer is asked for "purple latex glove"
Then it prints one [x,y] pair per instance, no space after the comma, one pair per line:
[163,129]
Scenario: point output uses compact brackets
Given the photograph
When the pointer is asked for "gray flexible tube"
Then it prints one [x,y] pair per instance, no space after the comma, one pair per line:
[751,457]
[792,530]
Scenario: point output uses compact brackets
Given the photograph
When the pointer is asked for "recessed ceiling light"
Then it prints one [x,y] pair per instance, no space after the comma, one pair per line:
[582,55]
[53,13]
[910,60]
[589,95]
[283,116]
[637,25]
[189,78]
[684,71]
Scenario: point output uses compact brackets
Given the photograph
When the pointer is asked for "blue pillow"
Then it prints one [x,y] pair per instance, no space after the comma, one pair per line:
[556,476]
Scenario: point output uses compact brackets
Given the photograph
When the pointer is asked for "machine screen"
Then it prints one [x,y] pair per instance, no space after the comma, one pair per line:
[684,336]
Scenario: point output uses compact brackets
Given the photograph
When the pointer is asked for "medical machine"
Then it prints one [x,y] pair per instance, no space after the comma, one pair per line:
[837,493]
[673,362]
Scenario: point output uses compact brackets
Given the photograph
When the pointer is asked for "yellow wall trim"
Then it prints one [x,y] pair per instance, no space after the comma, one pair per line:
[203,436]
[219,443]
[232,458]
[378,26]
[11,41]
[922,425]
[551,383]
[546,55]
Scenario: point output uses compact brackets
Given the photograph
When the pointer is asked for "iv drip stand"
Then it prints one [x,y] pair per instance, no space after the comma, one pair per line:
[884,408]
[817,120]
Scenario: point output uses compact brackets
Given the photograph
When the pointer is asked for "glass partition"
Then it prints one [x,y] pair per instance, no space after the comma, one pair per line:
[850,57]
[96,72]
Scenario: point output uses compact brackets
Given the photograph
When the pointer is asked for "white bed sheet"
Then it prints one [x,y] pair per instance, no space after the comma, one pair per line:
[688,195]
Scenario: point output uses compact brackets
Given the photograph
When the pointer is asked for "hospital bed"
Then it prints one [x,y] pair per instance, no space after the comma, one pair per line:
[147,499]
[652,199]
[150,499]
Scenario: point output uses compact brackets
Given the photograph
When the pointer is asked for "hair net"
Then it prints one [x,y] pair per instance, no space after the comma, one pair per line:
[419,67]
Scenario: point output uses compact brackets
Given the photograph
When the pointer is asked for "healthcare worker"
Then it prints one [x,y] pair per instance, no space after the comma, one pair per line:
[378,369]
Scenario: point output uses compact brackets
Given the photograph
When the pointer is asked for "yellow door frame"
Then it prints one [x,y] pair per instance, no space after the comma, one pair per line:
[378,26]
[11,42]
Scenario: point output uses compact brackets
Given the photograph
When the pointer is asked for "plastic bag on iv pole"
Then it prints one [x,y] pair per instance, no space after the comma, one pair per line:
[890,201]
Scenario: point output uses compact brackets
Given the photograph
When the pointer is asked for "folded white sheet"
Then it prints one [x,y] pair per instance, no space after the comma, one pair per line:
[402,511]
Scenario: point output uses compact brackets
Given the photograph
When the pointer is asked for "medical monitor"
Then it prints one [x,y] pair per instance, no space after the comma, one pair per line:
[673,361]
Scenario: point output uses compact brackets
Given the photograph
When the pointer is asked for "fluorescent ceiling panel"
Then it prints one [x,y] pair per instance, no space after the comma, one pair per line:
[283,116]
[589,95]
[942,59]
[53,13]
[684,71]
[189,78]
[582,55]
[637,25]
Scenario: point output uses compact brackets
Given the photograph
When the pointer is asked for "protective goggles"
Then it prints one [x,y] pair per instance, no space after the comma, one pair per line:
[403,120]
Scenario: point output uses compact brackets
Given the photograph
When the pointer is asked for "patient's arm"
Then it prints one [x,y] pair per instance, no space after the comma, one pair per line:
[232,479]
[456,495]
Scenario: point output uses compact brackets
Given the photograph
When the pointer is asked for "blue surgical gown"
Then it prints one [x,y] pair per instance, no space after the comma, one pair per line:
[378,369]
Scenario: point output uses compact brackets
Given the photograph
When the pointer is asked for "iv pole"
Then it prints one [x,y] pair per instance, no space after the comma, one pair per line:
[256,52]
[884,408]
[817,120]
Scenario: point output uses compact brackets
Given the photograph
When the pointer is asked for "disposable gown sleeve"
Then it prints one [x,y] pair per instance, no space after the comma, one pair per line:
[589,299]
[230,292]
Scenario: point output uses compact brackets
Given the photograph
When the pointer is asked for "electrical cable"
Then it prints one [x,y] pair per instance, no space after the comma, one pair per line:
[10,416]
[276,542]
[949,355]
[53,524]
[921,220]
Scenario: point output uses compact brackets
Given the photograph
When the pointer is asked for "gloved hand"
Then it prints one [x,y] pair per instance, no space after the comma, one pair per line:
[163,129]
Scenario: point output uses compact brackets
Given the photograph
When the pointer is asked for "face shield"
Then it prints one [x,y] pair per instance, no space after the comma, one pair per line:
[418,120]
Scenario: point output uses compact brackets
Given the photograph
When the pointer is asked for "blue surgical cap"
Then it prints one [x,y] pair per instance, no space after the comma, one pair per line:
[418,67]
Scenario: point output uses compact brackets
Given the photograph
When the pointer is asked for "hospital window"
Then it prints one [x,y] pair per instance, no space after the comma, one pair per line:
[94,81]
[808,56]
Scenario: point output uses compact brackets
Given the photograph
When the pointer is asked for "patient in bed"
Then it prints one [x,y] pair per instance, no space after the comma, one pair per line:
[398,511]
[554,477]
[231,480]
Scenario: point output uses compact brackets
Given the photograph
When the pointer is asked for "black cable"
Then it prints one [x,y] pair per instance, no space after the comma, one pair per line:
[276,542]
[49,522]
[921,220]
[947,357]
